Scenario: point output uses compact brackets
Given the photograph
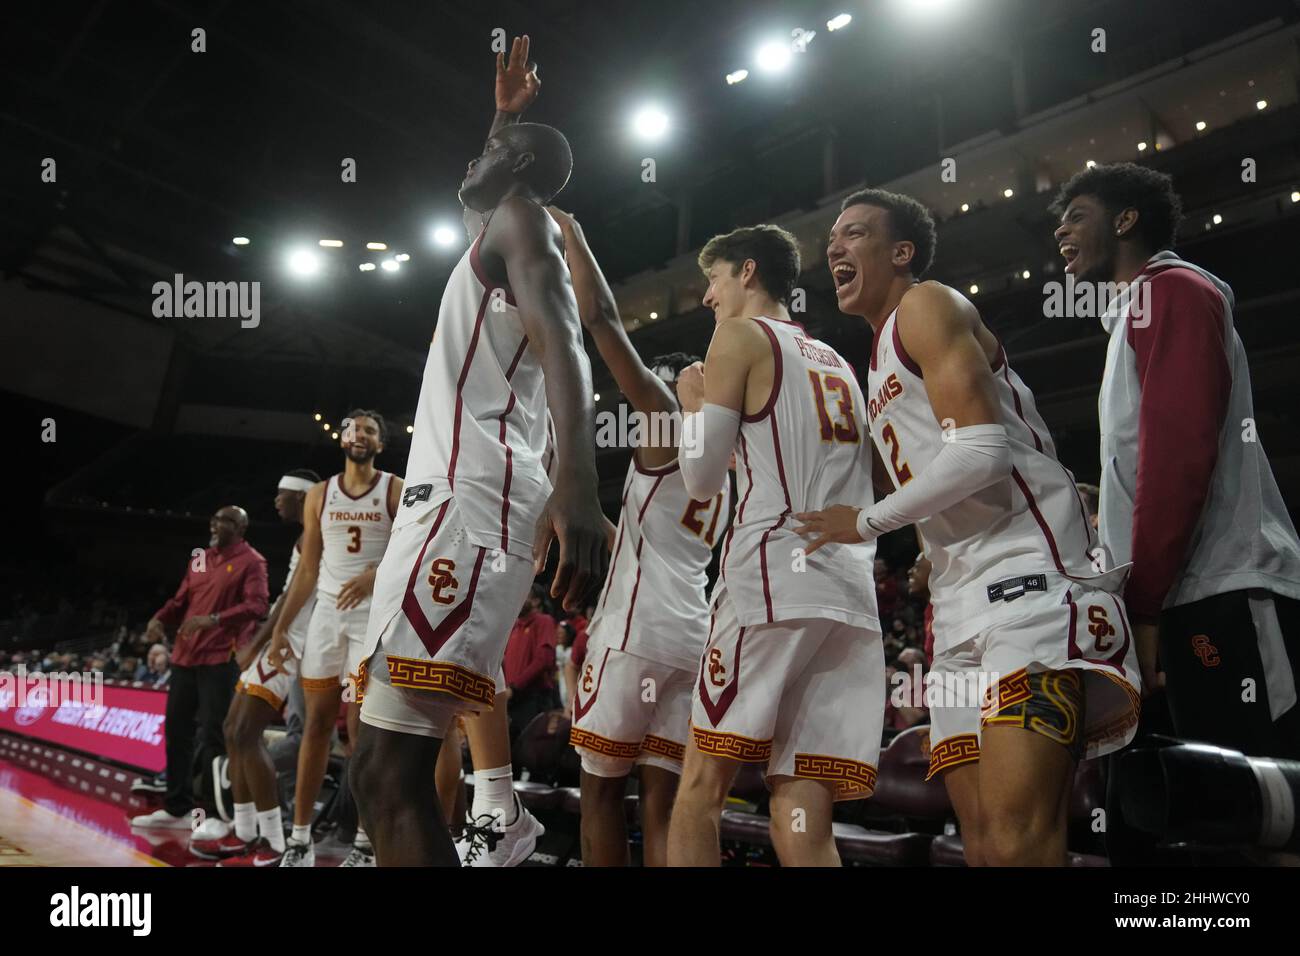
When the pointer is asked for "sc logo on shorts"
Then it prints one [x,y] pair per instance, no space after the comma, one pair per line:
[586,680]
[1099,627]
[441,580]
[717,670]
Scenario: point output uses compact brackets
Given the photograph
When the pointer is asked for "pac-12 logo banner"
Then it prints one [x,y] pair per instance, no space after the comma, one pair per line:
[126,725]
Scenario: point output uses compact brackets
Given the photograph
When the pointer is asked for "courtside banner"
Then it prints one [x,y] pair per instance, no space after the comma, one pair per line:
[122,724]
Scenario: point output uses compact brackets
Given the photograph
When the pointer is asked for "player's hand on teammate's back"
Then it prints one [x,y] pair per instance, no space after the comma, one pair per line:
[583,533]
[357,590]
[517,82]
[838,523]
[690,387]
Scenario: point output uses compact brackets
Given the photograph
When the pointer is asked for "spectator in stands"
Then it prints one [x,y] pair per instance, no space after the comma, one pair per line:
[216,608]
[530,662]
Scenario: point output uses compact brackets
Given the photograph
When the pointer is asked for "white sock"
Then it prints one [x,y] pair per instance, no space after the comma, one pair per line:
[494,794]
[246,821]
[271,828]
[301,834]
[362,842]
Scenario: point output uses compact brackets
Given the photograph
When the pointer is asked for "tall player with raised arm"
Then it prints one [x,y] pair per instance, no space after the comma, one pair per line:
[1017,602]
[479,510]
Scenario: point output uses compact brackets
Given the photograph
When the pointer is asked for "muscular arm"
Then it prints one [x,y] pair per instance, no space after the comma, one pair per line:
[598,311]
[525,243]
[303,585]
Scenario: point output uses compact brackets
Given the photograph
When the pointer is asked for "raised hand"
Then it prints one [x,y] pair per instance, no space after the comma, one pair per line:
[517,82]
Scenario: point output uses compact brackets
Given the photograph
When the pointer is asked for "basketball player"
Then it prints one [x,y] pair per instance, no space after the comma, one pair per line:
[632,700]
[346,523]
[793,671]
[1017,601]
[1187,493]
[479,509]
[258,837]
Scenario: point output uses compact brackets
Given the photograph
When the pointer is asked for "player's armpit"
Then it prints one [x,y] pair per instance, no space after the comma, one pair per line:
[937,328]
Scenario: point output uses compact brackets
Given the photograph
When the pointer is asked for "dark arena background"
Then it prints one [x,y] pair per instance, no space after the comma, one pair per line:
[308,156]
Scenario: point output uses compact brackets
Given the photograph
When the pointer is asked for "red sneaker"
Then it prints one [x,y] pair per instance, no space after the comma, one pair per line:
[229,845]
[259,854]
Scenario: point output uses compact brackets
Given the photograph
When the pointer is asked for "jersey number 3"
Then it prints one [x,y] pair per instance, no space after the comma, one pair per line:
[843,427]
[354,545]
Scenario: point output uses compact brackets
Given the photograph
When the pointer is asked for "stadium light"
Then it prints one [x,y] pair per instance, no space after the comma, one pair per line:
[1261,104]
[1025,274]
[444,235]
[389,265]
[596,397]
[736,76]
[334,435]
[332,243]
[974,289]
[924,8]
[1217,219]
[1008,192]
[839,22]
[367,267]
[403,257]
[318,416]
[1200,126]
[304,263]
[240,240]
[325,427]
[654,315]
[1142,147]
[1090,163]
[773,56]
[410,429]
[1295,196]
[965,207]
[650,123]
[377,246]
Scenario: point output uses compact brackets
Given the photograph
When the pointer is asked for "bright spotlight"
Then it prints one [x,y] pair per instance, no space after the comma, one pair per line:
[965,207]
[318,416]
[1142,147]
[444,235]
[1217,219]
[838,23]
[240,240]
[334,435]
[367,267]
[974,289]
[654,315]
[925,8]
[410,429]
[1295,196]
[332,243]
[596,397]
[389,265]
[377,246]
[304,263]
[772,57]
[650,122]
[1008,192]
[325,427]
[1025,274]
[403,257]
[736,77]
[1090,163]
[1261,104]
[1200,126]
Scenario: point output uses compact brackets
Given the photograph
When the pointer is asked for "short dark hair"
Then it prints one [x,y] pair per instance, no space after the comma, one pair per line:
[372,414]
[1120,186]
[774,250]
[552,156]
[305,473]
[909,221]
[673,360]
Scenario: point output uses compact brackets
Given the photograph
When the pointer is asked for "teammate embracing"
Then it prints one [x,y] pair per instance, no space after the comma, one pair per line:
[1018,603]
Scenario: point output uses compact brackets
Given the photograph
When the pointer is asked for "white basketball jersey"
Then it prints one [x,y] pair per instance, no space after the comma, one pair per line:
[806,449]
[1031,523]
[354,531]
[299,623]
[654,603]
[480,425]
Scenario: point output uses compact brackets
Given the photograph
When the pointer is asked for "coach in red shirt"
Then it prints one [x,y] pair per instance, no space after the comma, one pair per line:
[214,611]
[530,662]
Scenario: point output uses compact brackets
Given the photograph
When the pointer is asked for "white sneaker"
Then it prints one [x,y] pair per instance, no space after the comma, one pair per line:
[161,819]
[487,843]
[299,854]
[360,856]
[213,829]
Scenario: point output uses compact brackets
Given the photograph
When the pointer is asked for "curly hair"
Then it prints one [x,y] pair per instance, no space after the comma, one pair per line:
[1120,186]
[909,221]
